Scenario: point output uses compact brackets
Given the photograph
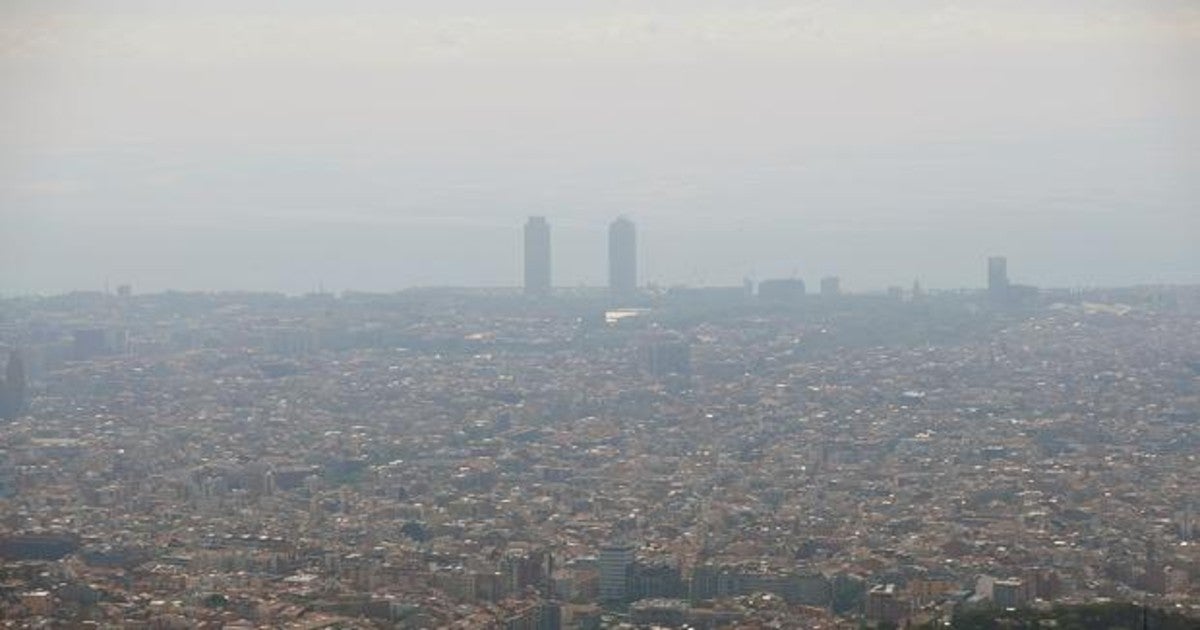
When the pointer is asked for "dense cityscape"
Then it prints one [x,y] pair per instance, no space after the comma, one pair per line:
[758,456]
[599,315]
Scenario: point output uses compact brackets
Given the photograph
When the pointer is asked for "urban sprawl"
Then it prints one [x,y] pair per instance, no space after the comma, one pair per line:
[752,456]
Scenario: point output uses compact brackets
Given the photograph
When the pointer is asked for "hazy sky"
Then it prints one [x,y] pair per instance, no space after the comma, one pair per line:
[377,145]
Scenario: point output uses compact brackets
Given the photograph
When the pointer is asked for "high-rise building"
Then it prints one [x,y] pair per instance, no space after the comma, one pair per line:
[616,567]
[12,388]
[998,276]
[537,256]
[1010,593]
[658,578]
[884,603]
[622,257]
[521,569]
[781,290]
[830,286]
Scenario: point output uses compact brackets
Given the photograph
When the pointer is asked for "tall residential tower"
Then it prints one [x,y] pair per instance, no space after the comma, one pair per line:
[998,277]
[622,257]
[537,256]
[13,388]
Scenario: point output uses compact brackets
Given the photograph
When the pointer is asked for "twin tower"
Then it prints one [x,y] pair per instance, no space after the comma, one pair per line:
[622,257]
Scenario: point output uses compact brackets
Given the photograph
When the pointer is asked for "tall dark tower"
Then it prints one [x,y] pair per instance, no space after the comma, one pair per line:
[998,277]
[537,256]
[622,257]
[12,390]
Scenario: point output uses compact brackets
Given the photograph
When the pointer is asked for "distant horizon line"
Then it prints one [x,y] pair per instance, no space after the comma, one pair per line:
[519,291]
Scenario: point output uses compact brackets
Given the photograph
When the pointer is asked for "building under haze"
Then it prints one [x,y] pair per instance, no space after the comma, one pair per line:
[781,290]
[622,257]
[13,388]
[998,277]
[830,286]
[664,354]
[537,256]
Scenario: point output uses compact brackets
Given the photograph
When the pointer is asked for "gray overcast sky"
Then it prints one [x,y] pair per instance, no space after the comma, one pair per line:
[379,145]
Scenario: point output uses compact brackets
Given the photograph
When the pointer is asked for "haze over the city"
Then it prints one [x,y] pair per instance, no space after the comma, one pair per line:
[377,145]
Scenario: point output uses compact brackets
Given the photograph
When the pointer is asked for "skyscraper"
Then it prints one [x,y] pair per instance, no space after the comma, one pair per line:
[12,388]
[537,256]
[998,277]
[622,257]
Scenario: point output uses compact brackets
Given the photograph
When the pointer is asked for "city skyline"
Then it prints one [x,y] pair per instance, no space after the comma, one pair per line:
[623,270]
[536,277]
[624,274]
[352,143]
[585,314]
